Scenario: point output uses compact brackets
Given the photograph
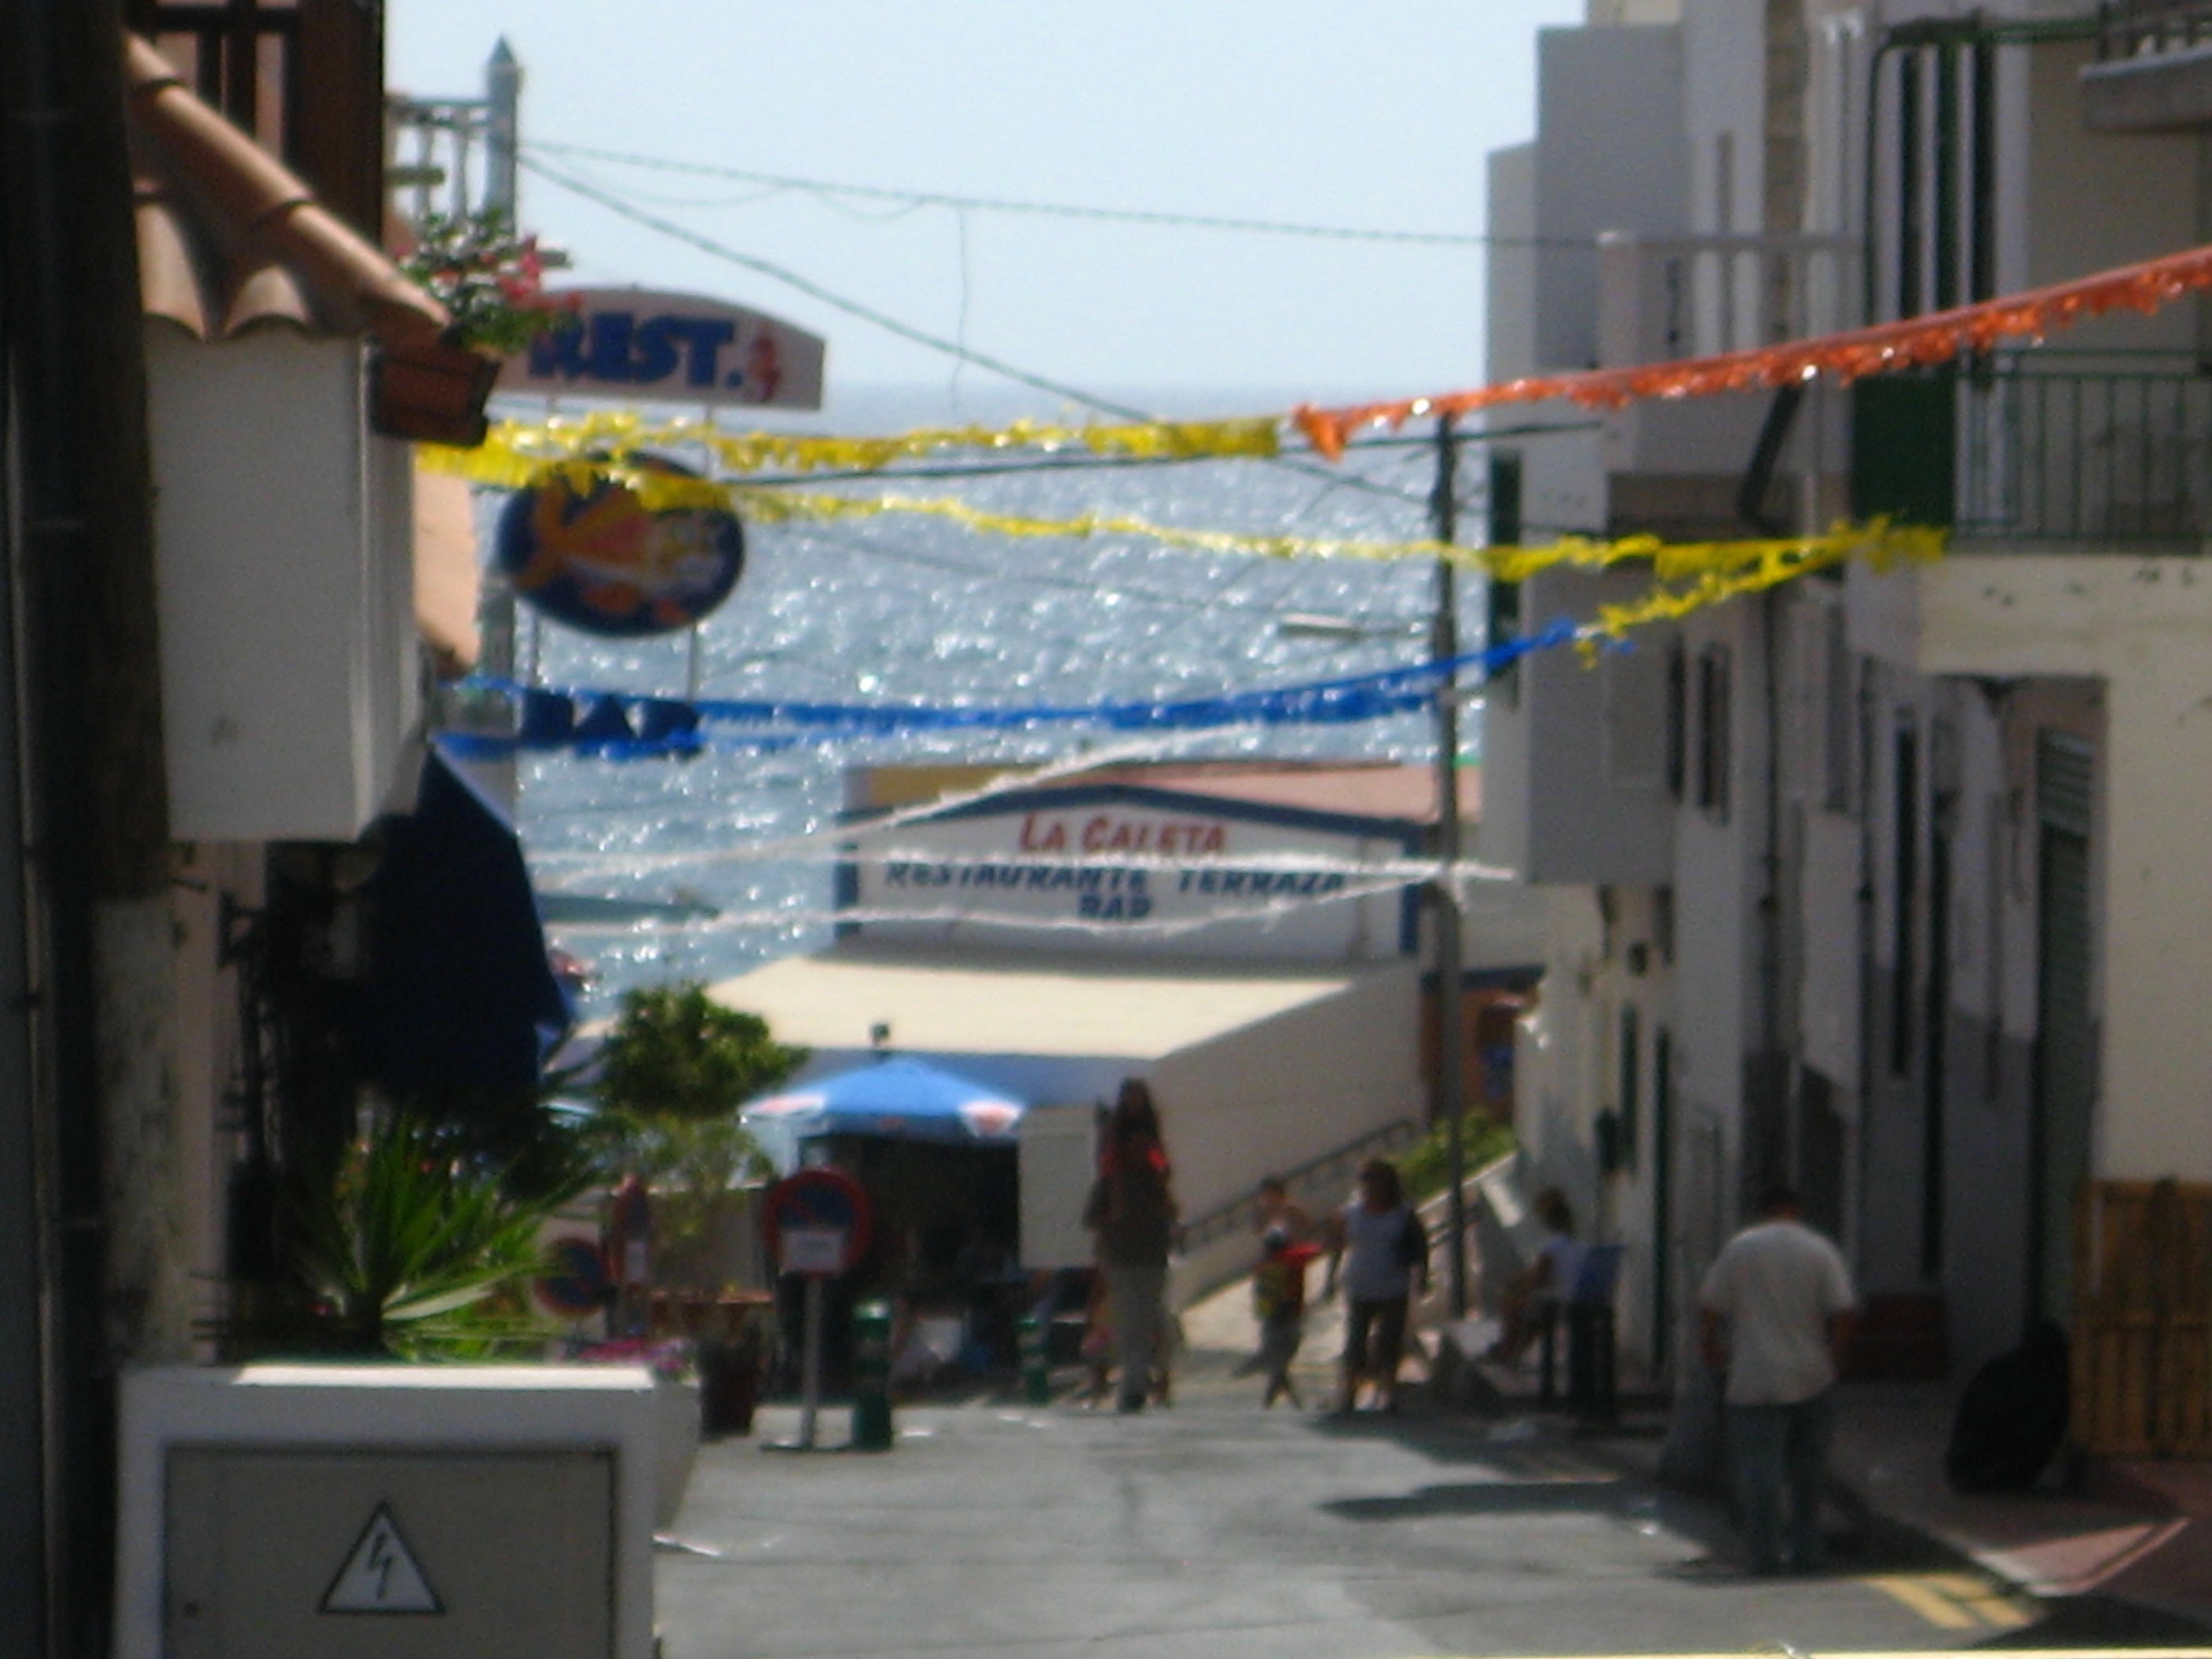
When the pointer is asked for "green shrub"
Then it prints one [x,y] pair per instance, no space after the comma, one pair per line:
[1425,1166]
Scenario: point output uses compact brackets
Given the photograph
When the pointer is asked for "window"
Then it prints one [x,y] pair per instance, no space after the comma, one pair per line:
[1502,599]
[1634,689]
[1713,759]
[1904,873]
[1837,708]
[1678,719]
[1631,1084]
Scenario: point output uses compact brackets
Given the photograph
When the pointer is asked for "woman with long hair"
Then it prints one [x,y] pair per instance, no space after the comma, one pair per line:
[1131,1212]
[1377,1250]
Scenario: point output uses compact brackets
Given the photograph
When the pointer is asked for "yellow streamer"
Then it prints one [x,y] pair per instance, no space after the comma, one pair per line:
[1718,570]
[1733,568]
[515,449]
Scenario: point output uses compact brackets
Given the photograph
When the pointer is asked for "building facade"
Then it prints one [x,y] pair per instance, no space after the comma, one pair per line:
[1877,882]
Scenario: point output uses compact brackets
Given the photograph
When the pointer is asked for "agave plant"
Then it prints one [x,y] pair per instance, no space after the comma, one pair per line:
[408,1249]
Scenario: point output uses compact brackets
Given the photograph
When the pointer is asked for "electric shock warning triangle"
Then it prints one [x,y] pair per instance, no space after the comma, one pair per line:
[380,1574]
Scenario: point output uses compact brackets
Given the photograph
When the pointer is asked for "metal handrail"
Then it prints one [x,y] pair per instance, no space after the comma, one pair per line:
[2117,457]
[2131,28]
[1235,1216]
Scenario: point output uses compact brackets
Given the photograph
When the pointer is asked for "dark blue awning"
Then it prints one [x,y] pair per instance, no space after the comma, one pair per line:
[461,995]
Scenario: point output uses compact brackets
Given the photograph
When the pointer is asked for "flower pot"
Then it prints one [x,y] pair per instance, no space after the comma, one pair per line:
[729,1381]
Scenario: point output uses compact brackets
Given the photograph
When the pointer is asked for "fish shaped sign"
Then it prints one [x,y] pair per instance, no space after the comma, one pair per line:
[591,555]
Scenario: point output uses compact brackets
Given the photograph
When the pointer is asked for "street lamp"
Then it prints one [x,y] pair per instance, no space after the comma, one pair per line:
[1450,1089]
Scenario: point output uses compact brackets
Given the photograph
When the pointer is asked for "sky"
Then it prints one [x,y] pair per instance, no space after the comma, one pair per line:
[1373,117]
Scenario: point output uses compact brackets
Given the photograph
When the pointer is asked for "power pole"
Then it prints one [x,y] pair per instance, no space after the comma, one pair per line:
[1450,1089]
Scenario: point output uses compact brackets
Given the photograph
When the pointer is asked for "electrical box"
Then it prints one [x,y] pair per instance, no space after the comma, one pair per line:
[362,1512]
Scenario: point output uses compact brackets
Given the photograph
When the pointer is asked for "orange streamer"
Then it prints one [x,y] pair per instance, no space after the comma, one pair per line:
[1883,347]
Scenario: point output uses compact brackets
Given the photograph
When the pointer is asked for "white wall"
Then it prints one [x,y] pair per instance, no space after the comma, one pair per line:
[1510,322]
[1609,156]
[2099,199]
[283,560]
[1284,1091]
[2139,625]
[1567,802]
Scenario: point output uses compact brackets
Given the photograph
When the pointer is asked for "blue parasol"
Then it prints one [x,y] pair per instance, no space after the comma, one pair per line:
[902,1098]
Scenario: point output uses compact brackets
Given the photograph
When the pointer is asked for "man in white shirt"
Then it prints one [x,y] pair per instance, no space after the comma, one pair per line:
[1775,1313]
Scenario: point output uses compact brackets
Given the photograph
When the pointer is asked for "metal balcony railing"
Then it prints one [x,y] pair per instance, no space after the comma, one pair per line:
[2136,28]
[2101,452]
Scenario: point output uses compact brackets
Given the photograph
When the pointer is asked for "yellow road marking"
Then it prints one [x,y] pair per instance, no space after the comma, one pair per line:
[1954,1601]
[1983,1596]
[1931,1604]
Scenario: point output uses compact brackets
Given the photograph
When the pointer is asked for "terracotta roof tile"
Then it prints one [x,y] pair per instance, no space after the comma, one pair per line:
[230,239]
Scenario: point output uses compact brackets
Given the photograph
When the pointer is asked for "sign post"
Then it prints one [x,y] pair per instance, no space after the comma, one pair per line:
[817,1221]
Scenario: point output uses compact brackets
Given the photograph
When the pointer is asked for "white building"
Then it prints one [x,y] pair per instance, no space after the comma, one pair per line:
[1883,884]
[1245,937]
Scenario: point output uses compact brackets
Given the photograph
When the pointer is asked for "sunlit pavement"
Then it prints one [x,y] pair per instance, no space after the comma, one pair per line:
[1217,1529]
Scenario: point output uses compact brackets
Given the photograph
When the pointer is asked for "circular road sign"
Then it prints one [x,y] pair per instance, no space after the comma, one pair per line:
[817,1221]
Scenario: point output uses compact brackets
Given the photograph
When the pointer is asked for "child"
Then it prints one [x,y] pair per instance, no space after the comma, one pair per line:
[1279,1297]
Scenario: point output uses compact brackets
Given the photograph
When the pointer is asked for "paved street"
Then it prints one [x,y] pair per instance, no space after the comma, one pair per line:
[1215,1529]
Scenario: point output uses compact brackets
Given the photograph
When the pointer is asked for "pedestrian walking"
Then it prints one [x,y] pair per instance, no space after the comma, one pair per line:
[1131,1214]
[1273,1207]
[1379,1252]
[1774,1316]
[1280,1221]
[1278,1299]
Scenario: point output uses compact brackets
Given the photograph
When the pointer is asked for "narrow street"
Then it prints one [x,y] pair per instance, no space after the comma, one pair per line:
[1217,1529]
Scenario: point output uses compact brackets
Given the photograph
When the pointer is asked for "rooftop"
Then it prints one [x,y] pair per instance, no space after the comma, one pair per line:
[974,1000]
[231,241]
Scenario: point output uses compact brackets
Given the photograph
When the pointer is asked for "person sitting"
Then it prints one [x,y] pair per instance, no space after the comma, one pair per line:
[1533,1296]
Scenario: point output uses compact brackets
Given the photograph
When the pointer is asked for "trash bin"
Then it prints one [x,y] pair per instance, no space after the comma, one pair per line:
[729,1385]
[871,1376]
[1036,1359]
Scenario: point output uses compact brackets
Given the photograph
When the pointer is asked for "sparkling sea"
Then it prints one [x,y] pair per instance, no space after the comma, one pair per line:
[908,609]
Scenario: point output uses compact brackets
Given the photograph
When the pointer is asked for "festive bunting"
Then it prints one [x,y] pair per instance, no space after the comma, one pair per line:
[1756,566]
[1883,347]
[1687,577]
[599,722]
[516,452]
[658,491]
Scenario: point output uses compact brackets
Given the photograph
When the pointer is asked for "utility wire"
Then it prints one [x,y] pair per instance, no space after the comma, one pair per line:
[614,203]
[914,198]
[807,286]
[955,349]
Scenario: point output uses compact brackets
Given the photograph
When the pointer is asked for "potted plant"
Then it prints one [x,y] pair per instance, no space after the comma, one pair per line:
[673,1073]
[409,1247]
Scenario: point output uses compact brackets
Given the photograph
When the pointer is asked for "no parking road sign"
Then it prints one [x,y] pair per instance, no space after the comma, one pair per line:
[817,1222]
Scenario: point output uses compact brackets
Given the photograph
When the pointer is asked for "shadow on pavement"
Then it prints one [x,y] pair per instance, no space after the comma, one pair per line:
[2104,1622]
[1491,1498]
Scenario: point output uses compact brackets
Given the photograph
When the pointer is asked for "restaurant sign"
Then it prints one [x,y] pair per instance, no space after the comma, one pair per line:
[640,345]
[1155,875]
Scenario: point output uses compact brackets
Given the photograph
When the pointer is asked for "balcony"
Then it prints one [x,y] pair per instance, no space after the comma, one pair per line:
[2154,68]
[2044,452]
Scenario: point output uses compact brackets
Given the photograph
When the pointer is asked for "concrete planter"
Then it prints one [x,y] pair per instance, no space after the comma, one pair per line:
[676,1446]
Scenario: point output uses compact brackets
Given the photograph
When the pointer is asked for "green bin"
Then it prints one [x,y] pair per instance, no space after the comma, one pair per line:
[1036,1359]
[871,1376]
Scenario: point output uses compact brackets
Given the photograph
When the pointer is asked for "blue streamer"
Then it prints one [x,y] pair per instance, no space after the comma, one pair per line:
[622,726]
